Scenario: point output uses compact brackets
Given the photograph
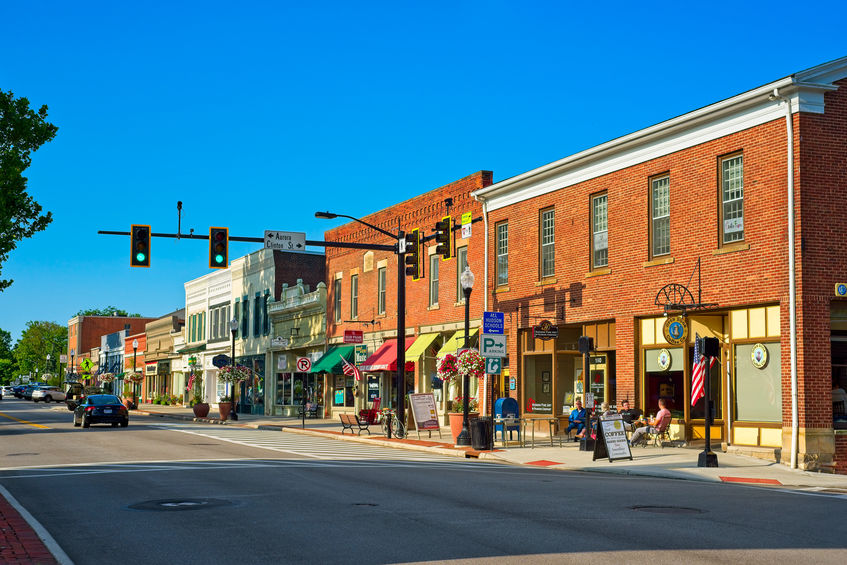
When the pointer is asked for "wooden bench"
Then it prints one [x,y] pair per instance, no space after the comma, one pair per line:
[350,420]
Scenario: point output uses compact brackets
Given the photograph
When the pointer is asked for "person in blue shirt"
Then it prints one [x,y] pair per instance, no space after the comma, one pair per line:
[577,420]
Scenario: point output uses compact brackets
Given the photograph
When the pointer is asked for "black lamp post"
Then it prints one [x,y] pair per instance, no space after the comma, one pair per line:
[466,279]
[233,327]
[73,367]
[401,308]
[134,353]
[48,364]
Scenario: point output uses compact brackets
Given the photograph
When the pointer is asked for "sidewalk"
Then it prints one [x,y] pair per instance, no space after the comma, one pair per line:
[670,462]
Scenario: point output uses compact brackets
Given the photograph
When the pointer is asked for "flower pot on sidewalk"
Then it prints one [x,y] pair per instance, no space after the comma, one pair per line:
[225,409]
[456,423]
[201,410]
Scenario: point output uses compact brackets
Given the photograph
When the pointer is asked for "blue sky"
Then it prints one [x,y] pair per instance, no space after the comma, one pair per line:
[257,114]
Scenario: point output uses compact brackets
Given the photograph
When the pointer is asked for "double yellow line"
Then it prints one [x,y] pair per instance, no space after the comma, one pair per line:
[33,424]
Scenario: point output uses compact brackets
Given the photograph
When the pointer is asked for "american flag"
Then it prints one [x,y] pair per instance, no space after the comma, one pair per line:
[698,372]
[350,369]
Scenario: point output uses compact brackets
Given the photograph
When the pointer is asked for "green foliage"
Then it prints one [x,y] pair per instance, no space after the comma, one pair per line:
[22,131]
[8,365]
[107,311]
[37,340]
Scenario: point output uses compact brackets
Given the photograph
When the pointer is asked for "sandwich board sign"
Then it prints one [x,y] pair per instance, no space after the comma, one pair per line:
[611,439]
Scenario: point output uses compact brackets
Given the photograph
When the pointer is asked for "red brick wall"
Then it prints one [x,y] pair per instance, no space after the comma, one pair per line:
[840,458]
[92,328]
[292,266]
[420,212]
[139,353]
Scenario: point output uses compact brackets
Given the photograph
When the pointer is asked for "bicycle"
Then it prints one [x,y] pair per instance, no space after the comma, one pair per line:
[391,424]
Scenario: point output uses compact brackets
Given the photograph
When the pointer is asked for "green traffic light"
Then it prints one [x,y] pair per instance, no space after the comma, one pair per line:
[219,259]
[140,257]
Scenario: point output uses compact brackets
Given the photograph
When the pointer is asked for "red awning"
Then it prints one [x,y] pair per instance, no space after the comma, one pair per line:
[385,358]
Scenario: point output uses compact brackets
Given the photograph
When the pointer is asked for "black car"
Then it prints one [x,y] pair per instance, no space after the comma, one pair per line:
[101,409]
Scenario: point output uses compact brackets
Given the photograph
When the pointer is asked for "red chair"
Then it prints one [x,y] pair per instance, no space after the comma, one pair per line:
[371,416]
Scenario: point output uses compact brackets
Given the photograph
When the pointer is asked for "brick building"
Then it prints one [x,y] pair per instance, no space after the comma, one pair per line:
[362,295]
[84,333]
[592,244]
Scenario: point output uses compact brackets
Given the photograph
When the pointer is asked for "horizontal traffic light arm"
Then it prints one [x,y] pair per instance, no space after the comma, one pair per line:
[340,244]
[456,227]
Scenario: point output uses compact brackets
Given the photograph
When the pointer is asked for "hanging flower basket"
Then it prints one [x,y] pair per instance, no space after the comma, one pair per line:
[135,378]
[447,368]
[230,374]
[471,363]
[107,377]
[46,376]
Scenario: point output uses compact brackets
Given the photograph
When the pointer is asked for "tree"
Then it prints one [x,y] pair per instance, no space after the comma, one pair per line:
[37,340]
[22,131]
[8,366]
[107,311]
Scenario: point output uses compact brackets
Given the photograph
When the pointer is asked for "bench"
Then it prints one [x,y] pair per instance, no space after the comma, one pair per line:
[350,420]
[309,410]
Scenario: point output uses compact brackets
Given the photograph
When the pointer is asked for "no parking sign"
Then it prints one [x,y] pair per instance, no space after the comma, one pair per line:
[304,364]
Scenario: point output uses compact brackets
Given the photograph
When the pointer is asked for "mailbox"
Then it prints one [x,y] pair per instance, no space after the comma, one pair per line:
[506,408]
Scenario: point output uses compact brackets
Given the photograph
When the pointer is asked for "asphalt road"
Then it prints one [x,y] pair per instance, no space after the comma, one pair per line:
[176,492]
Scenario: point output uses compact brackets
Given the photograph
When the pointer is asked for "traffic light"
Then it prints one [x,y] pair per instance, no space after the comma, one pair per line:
[444,237]
[413,254]
[218,248]
[139,246]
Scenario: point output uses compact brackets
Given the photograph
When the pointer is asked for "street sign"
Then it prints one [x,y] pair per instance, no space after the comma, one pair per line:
[467,218]
[304,364]
[492,322]
[63,358]
[219,361]
[361,353]
[353,336]
[492,345]
[285,240]
[493,365]
[279,341]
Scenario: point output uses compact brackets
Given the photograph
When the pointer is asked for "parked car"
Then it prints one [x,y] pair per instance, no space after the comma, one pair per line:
[27,392]
[75,393]
[18,391]
[48,394]
[101,409]
[8,391]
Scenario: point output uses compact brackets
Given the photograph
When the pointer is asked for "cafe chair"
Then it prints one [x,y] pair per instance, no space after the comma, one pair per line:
[662,433]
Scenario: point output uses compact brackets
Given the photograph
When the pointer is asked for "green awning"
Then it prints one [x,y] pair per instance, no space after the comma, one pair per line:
[193,349]
[458,340]
[421,344]
[331,360]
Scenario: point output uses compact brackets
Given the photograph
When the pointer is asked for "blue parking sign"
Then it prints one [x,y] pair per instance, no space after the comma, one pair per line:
[492,322]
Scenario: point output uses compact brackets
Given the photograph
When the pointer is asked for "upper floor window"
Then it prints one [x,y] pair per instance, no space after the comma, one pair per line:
[220,322]
[732,199]
[354,297]
[599,231]
[502,254]
[237,314]
[336,300]
[257,315]
[380,290]
[548,238]
[660,216]
[461,264]
[266,319]
[433,279]
[245,317]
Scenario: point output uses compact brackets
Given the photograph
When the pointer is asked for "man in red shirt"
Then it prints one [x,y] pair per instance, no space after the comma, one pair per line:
[664,415]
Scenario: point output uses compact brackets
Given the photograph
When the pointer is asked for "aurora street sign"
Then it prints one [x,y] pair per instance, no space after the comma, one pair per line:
[285,240]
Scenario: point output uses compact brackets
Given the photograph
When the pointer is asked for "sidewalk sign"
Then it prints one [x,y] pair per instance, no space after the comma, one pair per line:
[611,439]
[425,412]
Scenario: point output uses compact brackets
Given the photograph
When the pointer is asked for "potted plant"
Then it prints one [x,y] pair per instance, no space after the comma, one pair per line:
[135,379]
[128,396]
[457,414]
[452,368]
[231,375]
[195,386]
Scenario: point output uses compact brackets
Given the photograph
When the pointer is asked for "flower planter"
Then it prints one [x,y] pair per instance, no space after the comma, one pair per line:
[225,409]
[201,410]
[456,423]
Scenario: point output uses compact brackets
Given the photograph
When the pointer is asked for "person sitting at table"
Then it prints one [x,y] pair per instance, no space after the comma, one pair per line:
[577,420]
[652,425]
[629,415]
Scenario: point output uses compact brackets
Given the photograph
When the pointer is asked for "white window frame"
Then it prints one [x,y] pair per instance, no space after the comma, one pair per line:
[732,199]
[660,216]
[502,252]
[354,297]
[382,281]
[600,231]
[433,279]
[547,242]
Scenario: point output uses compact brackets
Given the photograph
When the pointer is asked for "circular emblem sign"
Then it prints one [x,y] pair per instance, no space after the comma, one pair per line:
[759,355]
[675,330]
[664,359]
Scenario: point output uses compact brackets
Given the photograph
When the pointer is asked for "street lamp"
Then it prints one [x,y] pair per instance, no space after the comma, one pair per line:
[401,308]
[466,280]
[134,384]
[48,363]
[233,327]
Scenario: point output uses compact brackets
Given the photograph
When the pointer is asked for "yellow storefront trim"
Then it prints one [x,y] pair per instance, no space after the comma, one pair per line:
[421,344]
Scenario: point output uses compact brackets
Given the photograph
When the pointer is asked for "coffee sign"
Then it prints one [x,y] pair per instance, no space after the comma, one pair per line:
[545,331]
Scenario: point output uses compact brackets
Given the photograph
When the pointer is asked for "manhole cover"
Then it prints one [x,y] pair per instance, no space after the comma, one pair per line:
[19,454]
[667,509]
[365,504]
[180,504]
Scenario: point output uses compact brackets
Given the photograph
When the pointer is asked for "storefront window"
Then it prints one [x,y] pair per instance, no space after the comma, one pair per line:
[666,383]
[283,389]
[698,411]
[758,396]
[565,381]
[539,384]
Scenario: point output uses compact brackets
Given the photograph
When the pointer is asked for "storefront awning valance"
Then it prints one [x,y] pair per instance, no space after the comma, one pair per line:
[455,342]
[193,349]
[385,358]
[420,346]
[331,360]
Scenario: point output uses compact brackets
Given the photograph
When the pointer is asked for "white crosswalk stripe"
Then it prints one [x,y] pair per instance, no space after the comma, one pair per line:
[305,445]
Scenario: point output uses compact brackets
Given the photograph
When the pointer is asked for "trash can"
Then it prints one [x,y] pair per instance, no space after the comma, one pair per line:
[482,430]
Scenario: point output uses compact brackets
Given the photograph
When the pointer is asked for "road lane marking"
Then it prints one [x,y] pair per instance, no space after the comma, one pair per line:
[33,424]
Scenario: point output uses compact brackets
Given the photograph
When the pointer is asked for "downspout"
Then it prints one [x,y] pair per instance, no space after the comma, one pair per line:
[792,298]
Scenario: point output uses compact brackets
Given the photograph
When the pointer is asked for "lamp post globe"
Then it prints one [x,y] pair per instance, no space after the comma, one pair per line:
[233,328]
[466,279]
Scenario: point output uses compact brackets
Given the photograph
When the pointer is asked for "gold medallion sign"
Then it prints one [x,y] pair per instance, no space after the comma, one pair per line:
[675,330]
